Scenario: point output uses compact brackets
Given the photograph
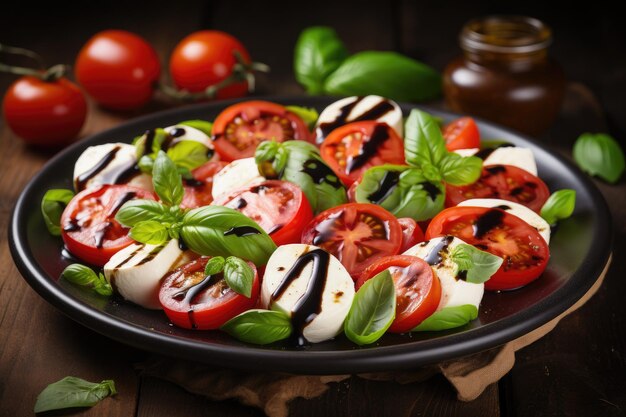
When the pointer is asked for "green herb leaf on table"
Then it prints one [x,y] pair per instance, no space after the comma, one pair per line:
[373,310]
[599,154]
[189,154]
[84,276]
[458,170]
[448,318]
[166,180]
[386,74]
[215,265]
[204,126]
[135,211]
[308,114]
[239,276]
[479,265]
[72,392]
[259,326]
[560,205]
[52,205]
[222,231]
[318,53]
[149,231]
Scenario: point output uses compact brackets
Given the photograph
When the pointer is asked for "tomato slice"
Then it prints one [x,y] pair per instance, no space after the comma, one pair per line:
[411,233]
[353,148]
[88,226]
[279,207]
[357,234]
[418,290]
[193,300]
[241,127]
[524,251]
[502,181]
[198,190]
[461,133]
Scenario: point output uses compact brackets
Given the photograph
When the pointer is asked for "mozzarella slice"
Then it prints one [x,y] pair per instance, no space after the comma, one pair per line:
[357,107]
[108,164]
[454,292]
[337,295]
[137,270]
[467,152]
[183,132]
[515,209]
[506,155]
[238,174]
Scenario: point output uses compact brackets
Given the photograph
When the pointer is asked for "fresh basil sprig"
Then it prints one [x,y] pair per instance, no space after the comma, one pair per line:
[300,163]
[52,205]
[478,265]
[259,326]
[85,277]
[402,190]
[239,276]
[599,154]
[386,74]
[72,392]
[373,310]
[560,205]
[308,114]
[448,318]
[318,53]
[167,181]
[186,154]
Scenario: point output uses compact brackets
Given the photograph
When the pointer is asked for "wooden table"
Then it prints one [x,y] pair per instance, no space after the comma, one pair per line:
[577,370]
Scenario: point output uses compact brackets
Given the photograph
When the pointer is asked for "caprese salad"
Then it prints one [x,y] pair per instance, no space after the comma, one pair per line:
[276,222]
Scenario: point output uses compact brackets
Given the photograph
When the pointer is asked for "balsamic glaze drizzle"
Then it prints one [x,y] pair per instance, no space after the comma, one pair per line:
[82,179]
[369,148]
[386,186]
[487,221]
[434,257]
[242,231]
[320,173]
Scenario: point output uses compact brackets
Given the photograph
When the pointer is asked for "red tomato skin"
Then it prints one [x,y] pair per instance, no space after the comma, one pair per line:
[457,194]
[252,110]
[291,229]
[199,195]
[87,251]
[406,322]
[461,133]
[411,233]
[45,113]
[390,151]
[118,69]
[211,318]
[505,277]
[205,58]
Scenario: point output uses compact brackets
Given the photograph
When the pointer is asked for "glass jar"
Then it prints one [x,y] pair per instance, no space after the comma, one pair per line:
[505,74]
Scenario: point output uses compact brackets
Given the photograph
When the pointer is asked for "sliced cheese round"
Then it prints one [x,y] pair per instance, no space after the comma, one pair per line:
[354,108]
[515,209]
[506,155]
[184,132]
[284,288]
[238,174]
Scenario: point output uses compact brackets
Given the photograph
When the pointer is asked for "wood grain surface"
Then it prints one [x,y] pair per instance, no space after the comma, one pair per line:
[577,370]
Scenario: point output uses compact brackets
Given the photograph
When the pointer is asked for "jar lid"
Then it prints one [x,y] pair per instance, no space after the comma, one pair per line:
[505,34]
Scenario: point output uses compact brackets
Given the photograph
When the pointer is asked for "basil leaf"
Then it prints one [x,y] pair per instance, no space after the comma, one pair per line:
[300,163]
[423,140]
[52,205]
[135,211]
[599,154]
[309,115]
[222,231]
[204,126]
[448,318]
[166,180]
[386,74]
[373,310]
[238,275]
[560,205]
[478,264]
[458,170]
[259,326]
[84,276]
[189,154]
[151,232]
[73,392]
[146,163]
[402,190]
[318,53]
[214,266]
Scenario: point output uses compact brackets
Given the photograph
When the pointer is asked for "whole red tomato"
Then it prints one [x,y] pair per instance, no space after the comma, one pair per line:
[206,58]
[118,69]
[45,113]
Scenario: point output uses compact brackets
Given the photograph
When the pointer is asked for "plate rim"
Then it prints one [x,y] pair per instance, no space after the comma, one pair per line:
[369,359]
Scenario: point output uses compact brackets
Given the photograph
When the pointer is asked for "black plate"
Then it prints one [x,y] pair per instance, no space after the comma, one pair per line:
[579,251]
